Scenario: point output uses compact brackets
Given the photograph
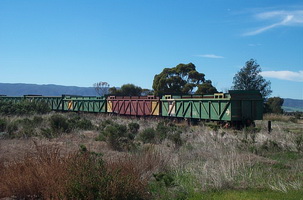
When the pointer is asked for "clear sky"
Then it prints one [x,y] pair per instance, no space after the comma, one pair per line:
[81,42]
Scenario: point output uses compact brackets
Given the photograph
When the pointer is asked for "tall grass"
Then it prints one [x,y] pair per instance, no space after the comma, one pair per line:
[47,174]
[35,176]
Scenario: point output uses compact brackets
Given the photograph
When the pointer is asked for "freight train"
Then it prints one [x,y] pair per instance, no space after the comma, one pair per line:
[237,107]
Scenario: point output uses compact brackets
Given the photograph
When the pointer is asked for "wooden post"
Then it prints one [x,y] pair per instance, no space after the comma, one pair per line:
[269,126]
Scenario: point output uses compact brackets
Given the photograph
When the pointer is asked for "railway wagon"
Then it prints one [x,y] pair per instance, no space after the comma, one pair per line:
[237,106]
[84,104]
[5,98]
[65,102]
[54,102]
[134,105]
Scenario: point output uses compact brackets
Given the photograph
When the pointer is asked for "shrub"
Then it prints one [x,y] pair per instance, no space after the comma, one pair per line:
[133,127]
[105,123]
[176,138]
[3,125]
[169,131]
[38,120]
[116,136]
[76,122]
[48,133]
[85,124]
[148,135]
[162,130]
[59,123]
[12,128]
[166,178]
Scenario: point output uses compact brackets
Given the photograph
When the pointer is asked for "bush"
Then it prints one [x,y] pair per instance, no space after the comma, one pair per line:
[176,138]
[148,135]
[119,137]
[162,131]
[59,123]
[115,134]
[76,122]
[169,131]
[133,127]
[3,125]
[104,124]
[12,128]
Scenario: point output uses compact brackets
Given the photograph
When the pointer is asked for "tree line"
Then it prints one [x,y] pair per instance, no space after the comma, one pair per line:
[185,79]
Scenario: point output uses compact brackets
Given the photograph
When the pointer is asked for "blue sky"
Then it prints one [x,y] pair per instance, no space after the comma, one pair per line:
[81,42]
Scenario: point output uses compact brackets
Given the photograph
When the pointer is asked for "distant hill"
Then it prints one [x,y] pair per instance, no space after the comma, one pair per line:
[20,89]
[292,105]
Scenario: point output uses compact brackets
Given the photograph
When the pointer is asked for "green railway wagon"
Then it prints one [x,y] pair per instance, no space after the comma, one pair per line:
[235,106]
[84,104]
[10,99]
[54,102]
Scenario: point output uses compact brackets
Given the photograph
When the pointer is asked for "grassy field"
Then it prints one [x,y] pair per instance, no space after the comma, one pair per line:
[88,156]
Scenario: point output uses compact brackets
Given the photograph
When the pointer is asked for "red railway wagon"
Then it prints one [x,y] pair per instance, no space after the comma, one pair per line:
[134,105]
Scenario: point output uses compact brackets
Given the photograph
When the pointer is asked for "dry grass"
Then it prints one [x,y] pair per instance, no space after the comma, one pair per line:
[227,159]
[278,117]
[49,175]
[34,176]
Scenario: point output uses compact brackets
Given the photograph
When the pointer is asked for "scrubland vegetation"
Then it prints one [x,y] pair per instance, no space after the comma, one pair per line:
[88,156]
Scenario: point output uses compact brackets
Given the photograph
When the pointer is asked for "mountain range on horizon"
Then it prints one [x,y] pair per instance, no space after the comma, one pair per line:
[20,89]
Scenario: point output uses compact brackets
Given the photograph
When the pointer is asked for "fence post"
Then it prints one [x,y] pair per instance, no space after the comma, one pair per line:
[269,126]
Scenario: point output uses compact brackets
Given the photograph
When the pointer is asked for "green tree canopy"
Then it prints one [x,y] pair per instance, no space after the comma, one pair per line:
[249,78]
[206,88]
[274,105]
[126,90]
[182,79]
